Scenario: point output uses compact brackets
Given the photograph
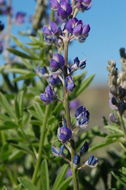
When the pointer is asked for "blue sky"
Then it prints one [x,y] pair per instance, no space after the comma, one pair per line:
[107,19]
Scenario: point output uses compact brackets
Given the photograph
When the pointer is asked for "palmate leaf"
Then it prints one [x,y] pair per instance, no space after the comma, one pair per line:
[44,176]
[27,184]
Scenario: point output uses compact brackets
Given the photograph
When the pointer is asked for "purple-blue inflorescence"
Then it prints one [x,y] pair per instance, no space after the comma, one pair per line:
[59,72]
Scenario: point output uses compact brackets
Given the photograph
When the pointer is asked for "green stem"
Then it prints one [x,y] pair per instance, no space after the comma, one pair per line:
[41,143]
[75,180]
[66,95]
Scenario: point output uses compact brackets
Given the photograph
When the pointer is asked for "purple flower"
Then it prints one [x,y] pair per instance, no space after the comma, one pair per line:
[76,159]
[63,7]
[64,134]
[69,83]
[57,62]
[92,161]
[20,17]
[69,172]
[83,4]
[48,96]
[54,80]
[77,28]
[85,30]
[82,117]
[54,4]
[51,30]
[1,26]
[78,64]
[84,148]
[74,104]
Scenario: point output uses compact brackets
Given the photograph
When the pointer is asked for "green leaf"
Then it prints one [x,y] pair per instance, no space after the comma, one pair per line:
[8,125]
[18,70]
[44,176]
[21,45]
[9,108]
[82,87]
[27,184]
[38,111]
[21,54]
[64,185]
[19,104]
[60,177]
[114,129]
[24,77]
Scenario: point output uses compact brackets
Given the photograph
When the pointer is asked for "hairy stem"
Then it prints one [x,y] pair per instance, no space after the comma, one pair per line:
[66,101]
[75,180]
[41,143]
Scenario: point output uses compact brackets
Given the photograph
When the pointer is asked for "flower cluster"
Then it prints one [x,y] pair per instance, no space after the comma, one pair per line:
[60,72]
[68,27]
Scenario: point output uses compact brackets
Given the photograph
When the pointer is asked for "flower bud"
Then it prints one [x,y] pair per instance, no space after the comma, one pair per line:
[84,148]
[92,161]
[76,159]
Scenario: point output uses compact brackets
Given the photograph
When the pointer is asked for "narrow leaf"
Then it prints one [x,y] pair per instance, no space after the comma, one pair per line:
[44,176]
[27,184]
[60,177]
